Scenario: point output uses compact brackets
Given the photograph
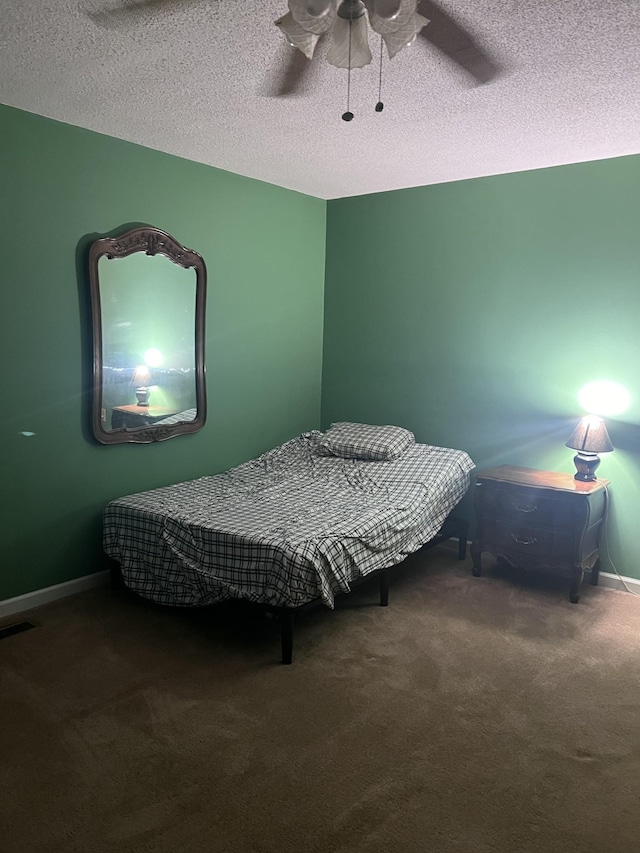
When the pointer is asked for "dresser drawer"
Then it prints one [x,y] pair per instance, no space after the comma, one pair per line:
[537,543]
[533,508]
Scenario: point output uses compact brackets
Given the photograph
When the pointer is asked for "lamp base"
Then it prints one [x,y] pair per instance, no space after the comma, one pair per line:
[142,396]
[586,464]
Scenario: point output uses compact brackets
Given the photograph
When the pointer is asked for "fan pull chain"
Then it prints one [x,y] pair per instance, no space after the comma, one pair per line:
[380,105]
[348,116]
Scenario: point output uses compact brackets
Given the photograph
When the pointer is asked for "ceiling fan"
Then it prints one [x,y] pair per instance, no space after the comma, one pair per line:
[399,22]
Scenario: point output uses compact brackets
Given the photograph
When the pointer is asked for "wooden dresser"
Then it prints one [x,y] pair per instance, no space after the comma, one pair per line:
[540,520]
[130,417]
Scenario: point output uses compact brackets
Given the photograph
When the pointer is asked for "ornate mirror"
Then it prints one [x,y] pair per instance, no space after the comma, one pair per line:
[148,308]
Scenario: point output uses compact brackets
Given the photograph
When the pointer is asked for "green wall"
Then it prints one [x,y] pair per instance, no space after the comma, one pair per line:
[473,312]
[264,248]
[470,312]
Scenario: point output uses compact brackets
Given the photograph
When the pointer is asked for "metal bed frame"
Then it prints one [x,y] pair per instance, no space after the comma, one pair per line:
[454,527]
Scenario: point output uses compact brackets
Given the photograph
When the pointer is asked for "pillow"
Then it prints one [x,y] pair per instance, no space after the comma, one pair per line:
[365,441]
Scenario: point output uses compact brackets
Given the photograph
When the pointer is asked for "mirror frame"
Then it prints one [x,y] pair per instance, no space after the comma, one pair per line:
[151,241]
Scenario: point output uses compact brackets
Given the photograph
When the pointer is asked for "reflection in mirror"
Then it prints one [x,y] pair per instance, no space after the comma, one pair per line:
[147,294]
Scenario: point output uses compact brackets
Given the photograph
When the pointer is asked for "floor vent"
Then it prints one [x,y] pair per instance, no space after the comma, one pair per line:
[17,628]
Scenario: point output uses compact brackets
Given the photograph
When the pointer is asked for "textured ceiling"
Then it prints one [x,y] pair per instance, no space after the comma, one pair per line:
[189,77]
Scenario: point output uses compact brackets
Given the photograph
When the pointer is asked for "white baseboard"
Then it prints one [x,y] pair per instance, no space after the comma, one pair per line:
[51,593]
[61,590]
[611,581]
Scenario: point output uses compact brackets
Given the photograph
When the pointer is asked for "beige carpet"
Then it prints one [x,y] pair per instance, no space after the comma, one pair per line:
[480,715]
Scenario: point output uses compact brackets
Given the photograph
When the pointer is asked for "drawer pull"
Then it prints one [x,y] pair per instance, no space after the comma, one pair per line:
[525,507]
[524,540]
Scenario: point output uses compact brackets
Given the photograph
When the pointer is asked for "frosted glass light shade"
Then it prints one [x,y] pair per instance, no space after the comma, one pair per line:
[397,21]
[338,53]
[405,35]
[297,36]
[388,8]
[315,16]
[386,17]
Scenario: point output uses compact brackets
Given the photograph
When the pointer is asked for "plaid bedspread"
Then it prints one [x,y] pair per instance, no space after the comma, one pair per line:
[285,528]
[186,416]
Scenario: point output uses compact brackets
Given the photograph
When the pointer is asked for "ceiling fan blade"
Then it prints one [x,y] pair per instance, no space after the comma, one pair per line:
[130,10]
[291,76]
[456,43]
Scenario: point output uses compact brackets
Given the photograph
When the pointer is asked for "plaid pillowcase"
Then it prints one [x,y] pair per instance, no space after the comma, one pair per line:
[365,441]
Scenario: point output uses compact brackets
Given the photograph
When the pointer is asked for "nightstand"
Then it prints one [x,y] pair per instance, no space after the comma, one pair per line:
[130,417]
[540,520]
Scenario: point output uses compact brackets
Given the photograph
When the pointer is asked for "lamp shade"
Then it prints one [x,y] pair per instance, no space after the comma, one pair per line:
[141,375]
[590,436]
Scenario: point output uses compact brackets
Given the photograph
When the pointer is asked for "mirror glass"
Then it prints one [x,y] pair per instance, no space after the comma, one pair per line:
[148,320]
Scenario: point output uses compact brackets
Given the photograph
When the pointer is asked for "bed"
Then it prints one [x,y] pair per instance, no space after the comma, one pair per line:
[299,524]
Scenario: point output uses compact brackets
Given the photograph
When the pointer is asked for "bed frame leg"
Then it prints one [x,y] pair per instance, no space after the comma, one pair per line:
[384,588]
[286,634]
[115,575]
[462,538]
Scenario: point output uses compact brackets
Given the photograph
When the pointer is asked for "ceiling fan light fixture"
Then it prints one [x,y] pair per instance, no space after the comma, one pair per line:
[405,35]
[397,21]
[297,36]
[315,16]
[343,55]
[317,8]
[387,17]
[388,9]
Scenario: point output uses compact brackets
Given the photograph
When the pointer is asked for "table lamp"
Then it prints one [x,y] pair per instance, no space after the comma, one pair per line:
[589,438]
[141,376]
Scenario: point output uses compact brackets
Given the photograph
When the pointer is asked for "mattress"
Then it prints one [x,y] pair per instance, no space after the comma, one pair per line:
[285,528]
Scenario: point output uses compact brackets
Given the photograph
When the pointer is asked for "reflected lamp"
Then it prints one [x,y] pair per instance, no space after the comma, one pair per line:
[141,376]
[589,438]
